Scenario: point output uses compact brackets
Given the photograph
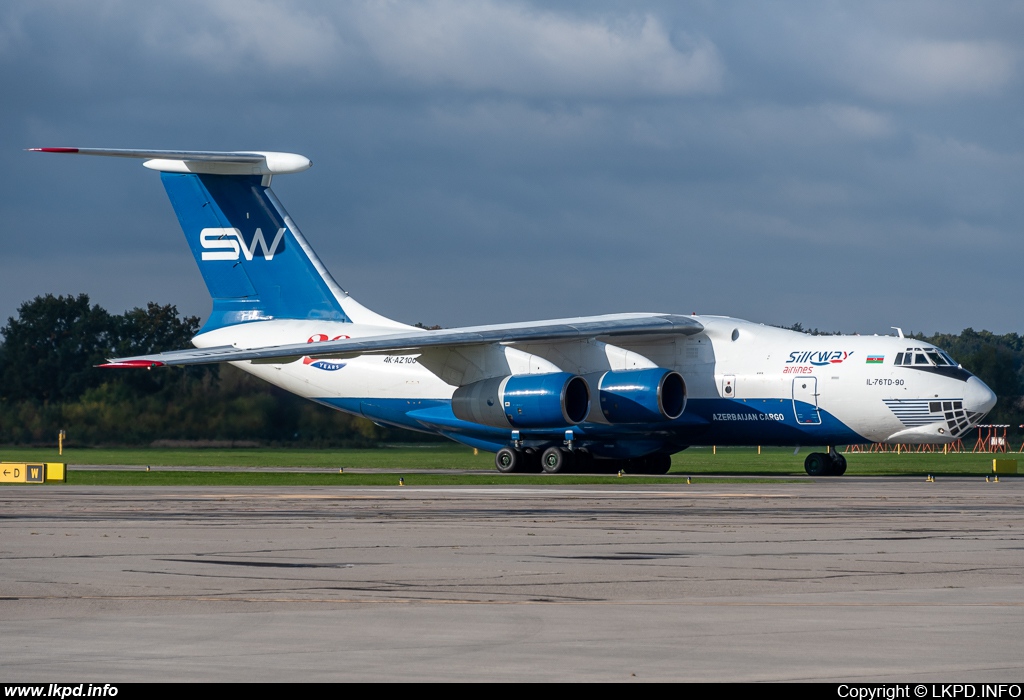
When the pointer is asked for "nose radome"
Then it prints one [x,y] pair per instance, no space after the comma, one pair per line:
[978,398]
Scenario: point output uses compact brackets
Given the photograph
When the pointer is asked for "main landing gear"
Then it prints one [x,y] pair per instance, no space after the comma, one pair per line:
[558,460]
[554,460]
[561,460]
[515,461]
[825,464]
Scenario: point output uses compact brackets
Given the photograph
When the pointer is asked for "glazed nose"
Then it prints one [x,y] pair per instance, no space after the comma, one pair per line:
[978,398]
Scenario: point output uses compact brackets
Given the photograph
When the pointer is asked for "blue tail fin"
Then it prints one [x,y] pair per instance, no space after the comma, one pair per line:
[255,262]
[253,257]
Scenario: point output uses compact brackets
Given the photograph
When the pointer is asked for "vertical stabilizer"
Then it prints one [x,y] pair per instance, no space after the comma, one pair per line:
[253,258]
[256,265]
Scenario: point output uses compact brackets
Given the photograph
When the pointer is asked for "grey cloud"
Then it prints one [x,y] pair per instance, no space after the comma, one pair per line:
[483,162]
[503,48]
[512,48]
[896,69]
[223,35]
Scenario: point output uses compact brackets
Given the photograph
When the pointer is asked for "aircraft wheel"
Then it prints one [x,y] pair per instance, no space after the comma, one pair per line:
[555,460]
[817,464]
[508,460]
[838,465]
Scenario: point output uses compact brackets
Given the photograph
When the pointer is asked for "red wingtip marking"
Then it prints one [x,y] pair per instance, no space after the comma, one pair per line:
[54,150]
[147,364]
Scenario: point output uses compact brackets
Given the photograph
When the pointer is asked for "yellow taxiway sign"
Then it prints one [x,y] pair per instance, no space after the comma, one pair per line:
[32,472]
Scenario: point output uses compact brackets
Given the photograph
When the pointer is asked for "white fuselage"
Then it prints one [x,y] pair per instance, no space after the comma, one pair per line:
[737,374]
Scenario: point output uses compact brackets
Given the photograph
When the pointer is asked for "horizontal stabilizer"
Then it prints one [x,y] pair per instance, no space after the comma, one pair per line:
[207,162]
[613,326]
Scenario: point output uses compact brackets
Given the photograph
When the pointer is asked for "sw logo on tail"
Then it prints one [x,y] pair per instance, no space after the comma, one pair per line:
[229,243]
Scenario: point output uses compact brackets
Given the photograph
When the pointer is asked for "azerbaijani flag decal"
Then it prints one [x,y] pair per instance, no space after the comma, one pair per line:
[875,359]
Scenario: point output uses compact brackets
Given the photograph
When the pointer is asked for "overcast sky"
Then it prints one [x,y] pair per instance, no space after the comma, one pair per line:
[849,166]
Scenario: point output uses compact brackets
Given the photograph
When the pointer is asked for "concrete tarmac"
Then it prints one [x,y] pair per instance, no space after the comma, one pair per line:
[853,579]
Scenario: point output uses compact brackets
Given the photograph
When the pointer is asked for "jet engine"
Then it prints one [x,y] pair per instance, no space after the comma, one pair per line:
[638,396]
[524,401]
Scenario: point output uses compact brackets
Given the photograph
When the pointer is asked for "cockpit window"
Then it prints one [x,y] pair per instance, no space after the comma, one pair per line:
[925,357]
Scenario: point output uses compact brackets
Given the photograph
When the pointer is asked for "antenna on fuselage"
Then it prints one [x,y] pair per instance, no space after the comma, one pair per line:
[899,331]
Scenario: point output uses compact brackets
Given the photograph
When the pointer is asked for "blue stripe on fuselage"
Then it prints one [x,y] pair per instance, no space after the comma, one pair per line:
[705,422]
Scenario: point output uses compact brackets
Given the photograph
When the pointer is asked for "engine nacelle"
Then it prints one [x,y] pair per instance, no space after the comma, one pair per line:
[550,400]
[638,395]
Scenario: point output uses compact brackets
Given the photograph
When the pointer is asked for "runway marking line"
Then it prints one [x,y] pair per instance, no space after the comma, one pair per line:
[445,601]
[419,492]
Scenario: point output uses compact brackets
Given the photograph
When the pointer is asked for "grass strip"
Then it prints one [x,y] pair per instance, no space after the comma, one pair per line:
[439,456]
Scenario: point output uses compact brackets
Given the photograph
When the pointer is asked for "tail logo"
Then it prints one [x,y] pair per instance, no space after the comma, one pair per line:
[228,244]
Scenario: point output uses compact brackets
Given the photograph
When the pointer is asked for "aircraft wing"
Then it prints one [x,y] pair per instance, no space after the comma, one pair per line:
[584,328]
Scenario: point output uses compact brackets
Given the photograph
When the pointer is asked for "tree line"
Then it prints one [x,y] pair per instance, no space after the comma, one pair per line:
[49,381]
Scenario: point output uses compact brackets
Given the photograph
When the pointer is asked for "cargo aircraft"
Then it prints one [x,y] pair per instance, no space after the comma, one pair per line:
[620,391]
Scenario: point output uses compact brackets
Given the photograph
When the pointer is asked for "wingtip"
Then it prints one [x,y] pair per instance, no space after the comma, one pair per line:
[53,150]
[135,364]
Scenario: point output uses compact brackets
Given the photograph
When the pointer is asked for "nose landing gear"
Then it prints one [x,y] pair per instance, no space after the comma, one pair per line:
[822,464]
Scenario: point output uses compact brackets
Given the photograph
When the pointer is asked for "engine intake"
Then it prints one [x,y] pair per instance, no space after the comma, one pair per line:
[524,401]
[639,396]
